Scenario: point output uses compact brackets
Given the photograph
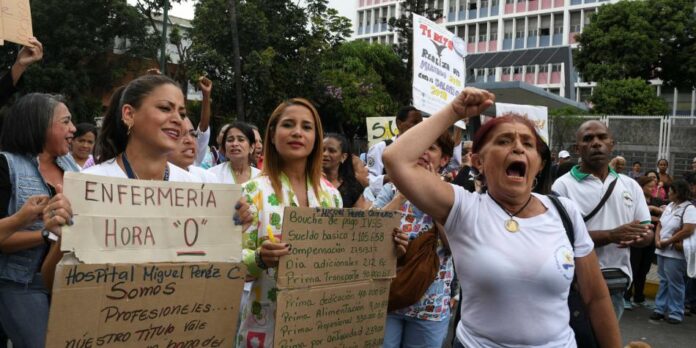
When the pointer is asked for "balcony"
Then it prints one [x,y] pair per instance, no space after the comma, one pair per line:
[461,16]
[571,38]
[517,77]
[531,42]
[589,1]
[546,4]
[494,10]
[483,12]
[557,39]
[519,43]
[383,27]
[368,29]
[533,5]
[451,17]
[559,3]
[529,78]
[509,8]
[472,14]
[375,28]
[521,6]
[575,2]
[556,77]
[505,77]
[481,47]
[479,78]
[544,41]
[492,45]
[543,78]
[507,44]
[360,30]
[470,48]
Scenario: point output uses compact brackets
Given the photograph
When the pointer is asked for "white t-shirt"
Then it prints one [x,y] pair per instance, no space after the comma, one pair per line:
[202,143]
[671,222]
[111,168]
[375,167]
[626,204]
[202,175]
[514,285]
[224,173]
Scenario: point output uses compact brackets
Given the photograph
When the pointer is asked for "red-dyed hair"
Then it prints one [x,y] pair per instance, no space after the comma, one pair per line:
[482,135]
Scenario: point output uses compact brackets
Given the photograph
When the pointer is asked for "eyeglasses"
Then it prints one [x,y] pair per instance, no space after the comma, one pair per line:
[192,133]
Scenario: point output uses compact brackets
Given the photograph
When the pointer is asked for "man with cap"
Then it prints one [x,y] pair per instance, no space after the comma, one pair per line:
[563,157]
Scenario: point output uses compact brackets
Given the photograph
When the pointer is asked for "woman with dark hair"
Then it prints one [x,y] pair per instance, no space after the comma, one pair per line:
[425,322]
[337,164]
[291,177]
[83,144]
[510,249]
[137,136]
[35,140]
[662,175]
[641,258]
[677,223]
[238,146]
[658,191]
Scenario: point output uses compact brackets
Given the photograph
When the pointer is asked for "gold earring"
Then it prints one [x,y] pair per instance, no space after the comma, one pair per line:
[129,126]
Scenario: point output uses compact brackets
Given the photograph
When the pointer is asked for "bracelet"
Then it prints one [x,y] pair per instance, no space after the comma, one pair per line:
[259,260]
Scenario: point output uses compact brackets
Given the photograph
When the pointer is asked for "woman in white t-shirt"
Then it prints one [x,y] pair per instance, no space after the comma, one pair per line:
[238,146]
[137,135]
[676,224]
[510,250]
[186,153]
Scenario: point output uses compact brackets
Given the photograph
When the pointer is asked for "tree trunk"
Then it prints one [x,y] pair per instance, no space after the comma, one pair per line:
[237,60]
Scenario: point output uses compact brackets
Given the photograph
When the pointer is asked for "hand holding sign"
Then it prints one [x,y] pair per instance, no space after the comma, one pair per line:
[16,21]
[31,53]
[58,212]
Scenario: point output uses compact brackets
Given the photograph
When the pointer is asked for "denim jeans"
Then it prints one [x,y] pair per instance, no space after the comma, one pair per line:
[670,295]
[690,298]
[24,312]
[617,301]
[408,332]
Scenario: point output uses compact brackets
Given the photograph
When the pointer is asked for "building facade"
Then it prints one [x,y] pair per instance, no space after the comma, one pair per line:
[513,40]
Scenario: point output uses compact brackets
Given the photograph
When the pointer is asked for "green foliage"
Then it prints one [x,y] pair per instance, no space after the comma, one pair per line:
[627,97]
[640,39]
[78,39]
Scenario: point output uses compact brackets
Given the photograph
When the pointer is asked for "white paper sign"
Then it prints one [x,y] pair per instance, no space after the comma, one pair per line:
[380,128]
[538,114]
[438,68]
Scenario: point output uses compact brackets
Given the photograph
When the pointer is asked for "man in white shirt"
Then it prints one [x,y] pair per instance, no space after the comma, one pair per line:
[406,118]
[623,220]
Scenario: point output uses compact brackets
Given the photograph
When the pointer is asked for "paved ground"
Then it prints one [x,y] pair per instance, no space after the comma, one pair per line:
[635,326]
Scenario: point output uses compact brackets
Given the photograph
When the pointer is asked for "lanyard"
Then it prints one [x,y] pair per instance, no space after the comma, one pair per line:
[131,174]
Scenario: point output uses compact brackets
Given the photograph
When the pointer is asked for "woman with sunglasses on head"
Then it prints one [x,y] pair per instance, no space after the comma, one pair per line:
[35,140]
[238,144]
[138,135]
[507,235]
[291,176]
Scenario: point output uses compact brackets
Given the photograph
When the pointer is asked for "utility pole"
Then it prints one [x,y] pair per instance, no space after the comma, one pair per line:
[163,56]
[237,60]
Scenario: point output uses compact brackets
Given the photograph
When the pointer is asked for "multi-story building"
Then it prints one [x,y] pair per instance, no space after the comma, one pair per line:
[512,40]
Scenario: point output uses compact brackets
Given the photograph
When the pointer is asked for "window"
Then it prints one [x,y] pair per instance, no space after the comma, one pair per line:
[494,36]
[472,6]
[519,34]
[482,37]
[472,38]
[556,68]
[479,72]
[509,1]
[484,3]
[543,68]
[384,20]
[558,29]
[545,31]
[506,71]
[532,32]
[517,70]
[575,28]
[507,36]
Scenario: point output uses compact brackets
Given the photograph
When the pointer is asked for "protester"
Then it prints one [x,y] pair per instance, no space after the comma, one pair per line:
[611,205]
[215,155]
[658,191]
[691,173]
[676,224]
[257,154]
[466,177]
[134,143]
[35,138]
[618,163]
[291,177]
[406,118]
[238,146]
[186,154]
[83,145]
[563,157]
[492,235]
[361,173]
[642,257]
[203,129]
[424,323]
[635,172]
[337,165]
[662,174]
[27,56]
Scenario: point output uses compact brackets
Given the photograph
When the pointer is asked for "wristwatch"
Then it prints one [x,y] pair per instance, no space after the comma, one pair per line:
[49,237]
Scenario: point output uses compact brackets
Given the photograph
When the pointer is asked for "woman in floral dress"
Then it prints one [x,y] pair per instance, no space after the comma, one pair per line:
[291,177]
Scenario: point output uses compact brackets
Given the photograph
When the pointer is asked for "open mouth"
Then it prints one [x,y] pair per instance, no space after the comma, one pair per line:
[516,170]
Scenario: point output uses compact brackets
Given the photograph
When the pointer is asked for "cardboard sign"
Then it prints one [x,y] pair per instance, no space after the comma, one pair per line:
[380,128]
[148,305]
[122,220]
[438,65]
[332,246]
[537,114]
[334,287]
[16,21]
[349,315]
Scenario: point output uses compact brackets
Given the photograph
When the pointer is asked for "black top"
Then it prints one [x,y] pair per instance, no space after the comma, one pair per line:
[350,192]
[7,88]
[465,180]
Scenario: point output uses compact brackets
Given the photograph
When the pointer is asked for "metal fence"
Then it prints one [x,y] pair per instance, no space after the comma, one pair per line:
[645,139]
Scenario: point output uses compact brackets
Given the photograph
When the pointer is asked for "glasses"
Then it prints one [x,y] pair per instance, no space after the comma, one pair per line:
[192,133]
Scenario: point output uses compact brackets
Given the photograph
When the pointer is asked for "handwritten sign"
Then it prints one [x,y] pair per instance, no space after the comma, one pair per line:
[16,21]
[331,246]
[438,65]
[380,128]
[334,286]
[350,315]
[117,220]
[148,305]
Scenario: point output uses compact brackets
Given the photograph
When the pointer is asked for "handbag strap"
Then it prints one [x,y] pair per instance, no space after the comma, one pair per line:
[567,224]
[682,215]
[601,202]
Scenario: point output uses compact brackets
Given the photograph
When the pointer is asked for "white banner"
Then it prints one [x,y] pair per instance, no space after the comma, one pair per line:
[438,65]
[538,114]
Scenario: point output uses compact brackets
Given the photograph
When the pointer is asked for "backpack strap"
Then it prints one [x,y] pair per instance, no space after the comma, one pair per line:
[565,218]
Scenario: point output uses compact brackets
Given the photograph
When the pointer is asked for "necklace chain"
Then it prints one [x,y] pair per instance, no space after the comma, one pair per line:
[506,211]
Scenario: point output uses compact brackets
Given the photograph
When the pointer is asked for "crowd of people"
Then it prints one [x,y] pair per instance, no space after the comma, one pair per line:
[510,232]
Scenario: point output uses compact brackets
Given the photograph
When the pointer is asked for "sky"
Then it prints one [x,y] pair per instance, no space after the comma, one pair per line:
[346,8]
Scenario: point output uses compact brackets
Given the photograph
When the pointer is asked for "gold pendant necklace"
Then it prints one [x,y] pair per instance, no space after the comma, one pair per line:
[511,225]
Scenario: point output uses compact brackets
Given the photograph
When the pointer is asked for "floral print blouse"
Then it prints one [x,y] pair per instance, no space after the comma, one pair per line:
[257,321]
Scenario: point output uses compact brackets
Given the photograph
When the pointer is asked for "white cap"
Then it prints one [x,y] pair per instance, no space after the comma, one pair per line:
[564,154]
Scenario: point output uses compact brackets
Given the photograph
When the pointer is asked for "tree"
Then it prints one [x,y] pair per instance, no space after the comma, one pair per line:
[79,61]
[640,39]
[360,80]
[627,97]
